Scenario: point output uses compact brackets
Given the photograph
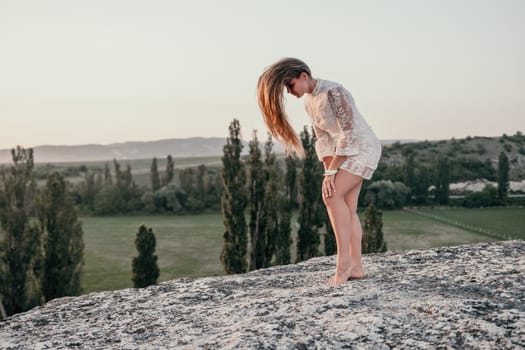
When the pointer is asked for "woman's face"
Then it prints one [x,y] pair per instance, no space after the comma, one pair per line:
[298,86]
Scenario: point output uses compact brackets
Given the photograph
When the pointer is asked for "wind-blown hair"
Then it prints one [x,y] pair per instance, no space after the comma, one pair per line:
[270,88]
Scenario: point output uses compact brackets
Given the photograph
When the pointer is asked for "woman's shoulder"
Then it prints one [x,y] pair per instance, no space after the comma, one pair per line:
[324,86]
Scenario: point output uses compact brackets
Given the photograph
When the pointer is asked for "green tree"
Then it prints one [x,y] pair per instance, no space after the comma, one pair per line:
[64,245]
[503,177]
[422,185]
[121,197]
[118,173]
[256,187]
[273,193]
[89,190]
[387,194]
[291,181]
[310,206]
[234,202]
[372,241]
[486,198]
[154,175]
[187,185]
[214,191]
[192,186]
[145,268]
[170,170]
[410,175]
[129,195]
[108,180]
[283,239]
[443,180]
[23,262]
[201,185]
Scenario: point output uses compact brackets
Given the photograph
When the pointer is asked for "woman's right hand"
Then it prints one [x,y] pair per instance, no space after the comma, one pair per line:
[328,186]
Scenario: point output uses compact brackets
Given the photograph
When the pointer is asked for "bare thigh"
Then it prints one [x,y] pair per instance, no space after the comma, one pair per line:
[352,197]
[346,186]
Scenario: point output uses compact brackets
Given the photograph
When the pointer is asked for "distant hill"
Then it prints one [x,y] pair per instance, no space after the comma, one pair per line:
[484,149]
[177,148]
[189,147]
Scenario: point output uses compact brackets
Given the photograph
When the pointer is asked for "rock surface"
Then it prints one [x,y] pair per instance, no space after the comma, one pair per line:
[452,297]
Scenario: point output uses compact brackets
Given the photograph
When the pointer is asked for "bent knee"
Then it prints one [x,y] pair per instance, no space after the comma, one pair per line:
[352,209]
[333,201]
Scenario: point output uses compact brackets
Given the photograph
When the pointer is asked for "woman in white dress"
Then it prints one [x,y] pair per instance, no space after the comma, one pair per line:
[345,144]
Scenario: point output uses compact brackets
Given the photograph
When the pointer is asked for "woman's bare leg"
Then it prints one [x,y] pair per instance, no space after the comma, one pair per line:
[341,220]
[356,266]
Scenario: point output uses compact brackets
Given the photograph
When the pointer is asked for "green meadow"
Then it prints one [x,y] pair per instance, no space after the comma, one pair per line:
[190,246]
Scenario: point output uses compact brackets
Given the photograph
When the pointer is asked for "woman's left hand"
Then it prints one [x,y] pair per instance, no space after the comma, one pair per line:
[328,187]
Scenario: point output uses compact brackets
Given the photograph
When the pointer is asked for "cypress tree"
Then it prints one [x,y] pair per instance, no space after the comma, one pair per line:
[443,180]
[422,184]
[410,175]
[118,174]
[89,190]
[271,201]
[213,192]
[22,257]
[372,241]
[128,178]
[257,222]
[310,215]
[145,268]
[234,201]
[202,171]
[187,182]
[291,181]
[108,180]
[64,245]
[170,170]
[283,239]
[154,174]
[503,177]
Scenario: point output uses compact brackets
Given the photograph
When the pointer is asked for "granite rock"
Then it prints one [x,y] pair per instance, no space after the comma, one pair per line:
[464,297]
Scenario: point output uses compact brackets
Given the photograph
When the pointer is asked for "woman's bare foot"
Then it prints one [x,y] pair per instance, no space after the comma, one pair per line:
[356,273]
[340,277]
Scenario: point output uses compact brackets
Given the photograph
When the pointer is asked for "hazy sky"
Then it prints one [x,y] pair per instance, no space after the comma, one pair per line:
[105,71]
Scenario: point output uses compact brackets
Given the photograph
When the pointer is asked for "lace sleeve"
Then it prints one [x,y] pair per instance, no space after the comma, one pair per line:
[323,144]
[347,144]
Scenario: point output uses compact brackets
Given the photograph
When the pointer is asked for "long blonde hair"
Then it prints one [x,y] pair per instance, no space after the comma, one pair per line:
[270,88]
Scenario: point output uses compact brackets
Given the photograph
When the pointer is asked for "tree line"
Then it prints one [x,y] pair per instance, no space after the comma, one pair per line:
[409,181]
[413,183]
[42,252]
[115,192]
[200,189]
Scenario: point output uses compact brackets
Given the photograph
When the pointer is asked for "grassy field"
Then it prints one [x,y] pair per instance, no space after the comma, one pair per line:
[190,246]
[501,221]
[404,230]
[186,246]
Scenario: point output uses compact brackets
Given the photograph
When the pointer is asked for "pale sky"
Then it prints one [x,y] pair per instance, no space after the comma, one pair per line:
[105,71]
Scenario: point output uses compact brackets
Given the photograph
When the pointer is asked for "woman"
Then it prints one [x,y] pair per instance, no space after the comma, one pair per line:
[345,144]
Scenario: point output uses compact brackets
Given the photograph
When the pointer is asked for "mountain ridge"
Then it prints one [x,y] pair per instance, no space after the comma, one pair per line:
[176,147]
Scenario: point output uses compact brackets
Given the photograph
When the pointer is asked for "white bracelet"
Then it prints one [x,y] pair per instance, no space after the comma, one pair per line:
[330,172]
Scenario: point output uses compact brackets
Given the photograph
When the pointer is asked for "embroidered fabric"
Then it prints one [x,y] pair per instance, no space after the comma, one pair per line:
[341,130]
[346,144]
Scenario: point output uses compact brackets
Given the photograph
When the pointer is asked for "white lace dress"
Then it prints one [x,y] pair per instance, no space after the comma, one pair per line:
[341,130]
